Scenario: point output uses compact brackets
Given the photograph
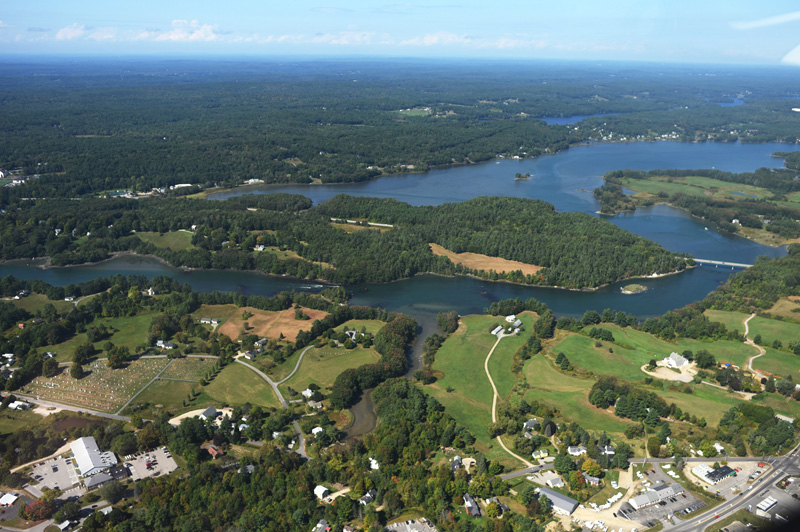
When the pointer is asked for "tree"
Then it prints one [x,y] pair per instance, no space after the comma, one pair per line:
[563,464]
[591,467]
[654,446]
[76,371]
[545,504]
[112,491]
[50,367]
[493,510]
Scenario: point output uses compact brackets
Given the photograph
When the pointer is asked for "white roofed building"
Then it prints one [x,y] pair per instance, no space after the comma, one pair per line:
[89,458]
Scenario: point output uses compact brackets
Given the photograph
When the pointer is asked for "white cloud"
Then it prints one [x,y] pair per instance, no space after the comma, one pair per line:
[345,38]
[70,32]
[188,31]
[441,38]
[104,34]
[793,57]
[769,21]
[4,25]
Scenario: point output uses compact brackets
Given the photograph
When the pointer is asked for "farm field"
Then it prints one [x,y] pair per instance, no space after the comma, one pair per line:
[131,332]
[35,302]
[266,323]
[322,366]
[697,186]
[174,240]
[779,363]
[237,385]
[101,388]
[771,330]
[705,401]
[570,395]
[503,356]
[731,320]
[787,307]
[477,261]
[461,359]
[581,351]
[189,368]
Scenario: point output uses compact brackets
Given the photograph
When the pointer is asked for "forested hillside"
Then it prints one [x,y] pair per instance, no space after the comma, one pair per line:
[575,250]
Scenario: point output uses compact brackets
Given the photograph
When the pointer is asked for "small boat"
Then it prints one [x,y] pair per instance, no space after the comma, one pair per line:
[706,228]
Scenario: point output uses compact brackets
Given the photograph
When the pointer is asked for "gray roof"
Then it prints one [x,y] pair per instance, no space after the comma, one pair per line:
[568,504]
[209,413]
[98,480]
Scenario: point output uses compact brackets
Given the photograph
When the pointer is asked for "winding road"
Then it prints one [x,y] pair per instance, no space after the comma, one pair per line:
[494,403]
[748,341]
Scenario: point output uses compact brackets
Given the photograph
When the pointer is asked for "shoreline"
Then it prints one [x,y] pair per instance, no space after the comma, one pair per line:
[46,265]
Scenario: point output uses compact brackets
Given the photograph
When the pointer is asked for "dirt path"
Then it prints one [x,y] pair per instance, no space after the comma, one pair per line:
[299,360]
[61,450]
[495,395]
[761,350]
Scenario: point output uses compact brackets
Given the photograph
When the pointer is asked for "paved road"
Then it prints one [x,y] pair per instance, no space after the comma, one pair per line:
[72,408]
[299,360]
[780,466]
[525,472]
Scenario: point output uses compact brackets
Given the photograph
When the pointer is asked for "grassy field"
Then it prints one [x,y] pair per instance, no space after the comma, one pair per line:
[581,351]
[267,323]
[417,111]
[174,240]
[570,395]
[697,186]
[477,261]
[101,388]
[771,330]
[170,394]
[371,326]
[503,356]
[237,385]
[779,363]
[322,366]
[131,332]
[786,308]
[460,360]
[706,401]
[35,302]
[12,421]
[731,320]
[189,368]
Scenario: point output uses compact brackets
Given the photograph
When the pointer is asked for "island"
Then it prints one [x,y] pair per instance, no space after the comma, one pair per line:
[633,289]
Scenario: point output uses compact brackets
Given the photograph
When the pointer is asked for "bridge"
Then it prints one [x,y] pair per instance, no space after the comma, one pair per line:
[719,263]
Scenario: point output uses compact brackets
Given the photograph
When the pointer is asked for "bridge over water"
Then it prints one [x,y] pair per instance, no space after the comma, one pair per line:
[718,263]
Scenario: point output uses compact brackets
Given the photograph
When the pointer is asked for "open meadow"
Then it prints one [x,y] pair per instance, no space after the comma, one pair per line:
[263,323]
[190,368]
[174,240]
[36,302]
[129,331]
[476,261]
[321,366]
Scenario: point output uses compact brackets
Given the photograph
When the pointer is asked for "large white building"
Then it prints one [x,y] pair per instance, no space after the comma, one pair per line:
[90,459]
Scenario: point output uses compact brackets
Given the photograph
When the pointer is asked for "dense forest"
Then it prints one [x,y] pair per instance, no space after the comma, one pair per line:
[90,127]
[575,250]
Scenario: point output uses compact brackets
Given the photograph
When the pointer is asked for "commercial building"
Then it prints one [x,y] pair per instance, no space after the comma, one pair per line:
[89,458]
[561,503]
[656,494]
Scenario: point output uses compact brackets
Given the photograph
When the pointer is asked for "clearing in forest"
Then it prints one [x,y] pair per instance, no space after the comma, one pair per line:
[268,323]
[476,261]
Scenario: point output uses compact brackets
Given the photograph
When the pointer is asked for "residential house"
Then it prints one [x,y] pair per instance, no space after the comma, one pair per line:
[471,506]
[540,453]
[576,450]
[511,318]
[503,508]
[455,464]
[315,404]
[373,464]
[321,526]
[593,481]
[209,413]
[674,360]
[607,449]
[316,431]
[368,497]
[321,492]
[165,345]
[530,424]
[555,482]
[215,452]
[517,324]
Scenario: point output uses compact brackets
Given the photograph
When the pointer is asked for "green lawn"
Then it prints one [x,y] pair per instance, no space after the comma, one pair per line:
[170,394]
[625,363]
[771,330]
[237,385]
[35,302]
[132,331]
[371,326]
[731,320]
[189,368]
[779,363]
[322,366]
[569,395]
[503,356]
[697,186]
[12,421]
[174,240]
[706,401]
[782,405]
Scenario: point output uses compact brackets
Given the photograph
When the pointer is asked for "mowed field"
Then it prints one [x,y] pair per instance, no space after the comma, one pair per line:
[787,307]
[35,302]
[174,240]
[101,388]
[264,323]
[477,261]
[322,366]
[461,361]
[779,363]
[733,321]
[131,332]
[192,368]
[697,186]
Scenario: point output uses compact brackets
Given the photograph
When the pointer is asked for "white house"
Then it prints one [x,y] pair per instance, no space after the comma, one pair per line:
[307,393]
[19,405]
[209,413]
[674,360]
[511,318]
[497,330]
[316,431]
[90,459]
[321,492]
[373,464]
[555,482]
[576,450]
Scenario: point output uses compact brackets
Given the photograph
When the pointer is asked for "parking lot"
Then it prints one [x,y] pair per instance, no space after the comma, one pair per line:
[420,525]
[55,473]
[682,503]
[161,463]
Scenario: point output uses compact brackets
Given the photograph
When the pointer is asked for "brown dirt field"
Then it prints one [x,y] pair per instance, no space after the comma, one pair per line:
[75,422]
[270,323]
[477,261]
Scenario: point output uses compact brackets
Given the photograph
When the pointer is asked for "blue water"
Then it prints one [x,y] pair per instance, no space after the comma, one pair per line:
[567,120]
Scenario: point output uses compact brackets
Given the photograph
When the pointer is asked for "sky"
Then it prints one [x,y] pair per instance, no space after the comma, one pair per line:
[682,31]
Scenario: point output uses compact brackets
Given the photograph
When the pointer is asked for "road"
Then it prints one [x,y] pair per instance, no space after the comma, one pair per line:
[494,402]
[754,496]
[748,341]
[525,472]
[299,360]
[72,408]
[154,379]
